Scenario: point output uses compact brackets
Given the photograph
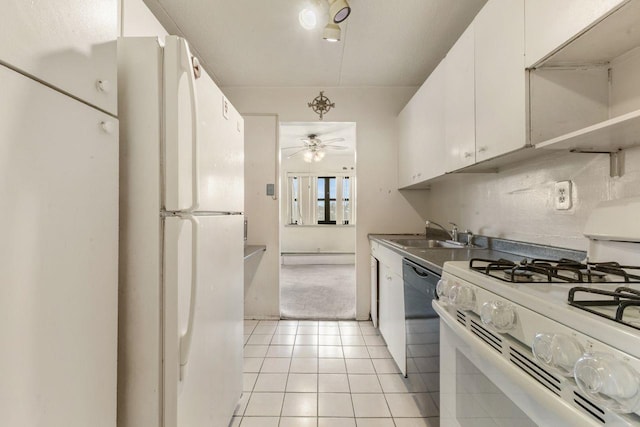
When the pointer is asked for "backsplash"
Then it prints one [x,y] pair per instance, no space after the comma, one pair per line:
[517,203]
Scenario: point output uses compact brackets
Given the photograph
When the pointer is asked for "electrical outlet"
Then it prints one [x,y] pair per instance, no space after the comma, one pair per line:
[562,195]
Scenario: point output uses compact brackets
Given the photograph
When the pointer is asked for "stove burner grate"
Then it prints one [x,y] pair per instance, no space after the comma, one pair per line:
[622,298]
[562,270]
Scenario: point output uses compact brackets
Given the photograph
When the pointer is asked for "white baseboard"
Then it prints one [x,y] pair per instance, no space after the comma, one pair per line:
[314,258]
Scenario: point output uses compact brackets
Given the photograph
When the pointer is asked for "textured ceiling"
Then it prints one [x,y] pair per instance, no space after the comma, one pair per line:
[260,42]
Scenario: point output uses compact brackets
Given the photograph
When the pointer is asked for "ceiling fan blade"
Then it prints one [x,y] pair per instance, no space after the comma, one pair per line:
[335,147]
[297,147]
[332,140]
[296,153]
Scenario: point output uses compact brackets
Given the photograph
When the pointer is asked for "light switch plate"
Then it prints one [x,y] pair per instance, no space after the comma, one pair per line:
[562,195]
[271,189]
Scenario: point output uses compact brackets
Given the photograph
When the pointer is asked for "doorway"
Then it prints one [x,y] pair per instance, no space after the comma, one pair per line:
[317,220]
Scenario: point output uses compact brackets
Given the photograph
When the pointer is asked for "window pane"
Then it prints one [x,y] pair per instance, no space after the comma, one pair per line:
[346,188]
[347,211]
[332,208]
[320,188]
[332,187]
[321,210]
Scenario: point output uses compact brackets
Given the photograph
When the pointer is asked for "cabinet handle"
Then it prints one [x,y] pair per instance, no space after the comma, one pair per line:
[482,149]
[467,154]
[107,127]
[103,86]
[389,277]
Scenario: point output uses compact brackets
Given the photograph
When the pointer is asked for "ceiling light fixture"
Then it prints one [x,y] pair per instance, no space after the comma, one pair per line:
[331,33]
[308,19]
[339,10]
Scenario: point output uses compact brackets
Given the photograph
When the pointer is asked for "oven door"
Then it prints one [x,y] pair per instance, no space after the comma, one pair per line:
[478,387]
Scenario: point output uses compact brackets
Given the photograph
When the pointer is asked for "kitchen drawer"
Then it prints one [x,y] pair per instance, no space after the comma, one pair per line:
[390,259]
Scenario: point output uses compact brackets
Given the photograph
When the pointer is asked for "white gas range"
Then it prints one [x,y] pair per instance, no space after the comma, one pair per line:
[520,347]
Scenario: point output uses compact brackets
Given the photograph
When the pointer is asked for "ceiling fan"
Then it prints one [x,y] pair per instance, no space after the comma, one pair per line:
[313,148]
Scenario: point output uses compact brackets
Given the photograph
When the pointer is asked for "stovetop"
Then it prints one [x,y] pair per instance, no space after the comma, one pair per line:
[592,301]
[588,283]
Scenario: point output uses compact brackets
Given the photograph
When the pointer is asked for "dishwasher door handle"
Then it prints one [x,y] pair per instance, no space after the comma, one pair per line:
[419,273]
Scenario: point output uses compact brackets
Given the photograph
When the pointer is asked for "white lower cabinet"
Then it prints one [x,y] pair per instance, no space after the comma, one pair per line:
[391,320]
[59,258]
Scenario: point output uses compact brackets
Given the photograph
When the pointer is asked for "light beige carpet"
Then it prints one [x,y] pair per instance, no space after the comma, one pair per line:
[318,291]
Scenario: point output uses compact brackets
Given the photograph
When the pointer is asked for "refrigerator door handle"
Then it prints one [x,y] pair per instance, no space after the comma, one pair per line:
[185,338]
[178,61]
[187,62]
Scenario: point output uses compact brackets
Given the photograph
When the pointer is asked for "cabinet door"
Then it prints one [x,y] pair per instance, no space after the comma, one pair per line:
[460,107]
[551,23]
[500,78]
[431,134]
[392,326]
[408,123]
[59,258]
[70,44]
[421,122]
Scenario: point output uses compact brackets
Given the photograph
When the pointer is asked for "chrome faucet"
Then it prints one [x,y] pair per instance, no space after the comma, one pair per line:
[469,237]
[454,231]
[428,225]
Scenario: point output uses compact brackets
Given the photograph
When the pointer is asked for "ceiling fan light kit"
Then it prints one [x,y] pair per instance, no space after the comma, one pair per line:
[314,149]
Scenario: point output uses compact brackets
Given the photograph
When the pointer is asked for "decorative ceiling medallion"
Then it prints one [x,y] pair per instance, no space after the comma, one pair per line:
[321,105]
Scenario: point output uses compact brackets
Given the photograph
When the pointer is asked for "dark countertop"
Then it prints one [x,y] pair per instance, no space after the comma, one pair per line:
[487,247]
[250,250]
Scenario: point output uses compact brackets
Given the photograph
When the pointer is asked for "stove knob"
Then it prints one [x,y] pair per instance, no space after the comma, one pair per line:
[557,352]
[443,287]
[462,297]
[498,314]
[611,383]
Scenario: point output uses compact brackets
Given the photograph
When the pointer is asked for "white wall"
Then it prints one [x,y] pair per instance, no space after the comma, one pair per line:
[261,293]
[381,208]
[517,202]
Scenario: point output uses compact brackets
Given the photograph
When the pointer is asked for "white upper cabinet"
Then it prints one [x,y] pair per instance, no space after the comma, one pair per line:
[459,105]
[69,44]
[551,23]
[421,144]
[500,79]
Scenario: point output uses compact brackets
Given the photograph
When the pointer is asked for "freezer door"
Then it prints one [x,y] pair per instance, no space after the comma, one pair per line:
[58,258]
[203,312]
[221,151]
[204,143]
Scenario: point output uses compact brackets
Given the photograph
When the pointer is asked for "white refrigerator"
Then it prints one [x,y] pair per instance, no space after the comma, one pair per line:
[58,258]
[181,240]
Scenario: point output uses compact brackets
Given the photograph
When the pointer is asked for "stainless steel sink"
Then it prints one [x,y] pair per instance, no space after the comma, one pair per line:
[426,244]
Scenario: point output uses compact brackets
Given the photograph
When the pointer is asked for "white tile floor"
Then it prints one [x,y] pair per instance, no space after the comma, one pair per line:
[328,374]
